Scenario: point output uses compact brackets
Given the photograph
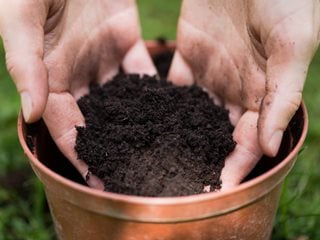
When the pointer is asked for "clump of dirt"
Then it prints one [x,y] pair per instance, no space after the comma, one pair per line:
[147,137]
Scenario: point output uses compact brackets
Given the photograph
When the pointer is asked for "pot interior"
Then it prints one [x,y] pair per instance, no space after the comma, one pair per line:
[40,143]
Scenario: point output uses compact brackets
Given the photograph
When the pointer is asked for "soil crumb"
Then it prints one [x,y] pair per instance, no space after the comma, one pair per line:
[147,137]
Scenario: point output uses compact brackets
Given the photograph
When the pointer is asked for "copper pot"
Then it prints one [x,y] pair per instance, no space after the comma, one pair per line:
[79,212]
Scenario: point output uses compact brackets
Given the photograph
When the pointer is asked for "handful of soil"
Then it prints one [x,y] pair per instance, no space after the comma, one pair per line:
[147,137]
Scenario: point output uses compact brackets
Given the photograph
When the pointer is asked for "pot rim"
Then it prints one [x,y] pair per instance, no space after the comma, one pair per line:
[164,200]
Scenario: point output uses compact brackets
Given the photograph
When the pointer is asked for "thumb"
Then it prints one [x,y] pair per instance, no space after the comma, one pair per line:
[21,28]
[138,60]
[247,153]
[282,100]
[180,73]
[289,54]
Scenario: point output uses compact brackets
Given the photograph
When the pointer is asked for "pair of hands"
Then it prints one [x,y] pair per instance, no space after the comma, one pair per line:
[252,55]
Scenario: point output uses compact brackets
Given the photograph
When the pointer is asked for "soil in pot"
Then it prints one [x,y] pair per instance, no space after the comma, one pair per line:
[163,63]
[147,137]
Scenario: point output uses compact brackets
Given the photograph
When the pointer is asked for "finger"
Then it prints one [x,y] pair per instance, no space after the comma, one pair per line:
[235,112]
[283,98]
[286,73]
[289,54]
[180,73]
[61,116]
[246,154]
[138,60]
[21,27]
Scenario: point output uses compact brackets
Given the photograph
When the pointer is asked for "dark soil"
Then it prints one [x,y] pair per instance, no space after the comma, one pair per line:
[163,60]
[147,137]
[163,63]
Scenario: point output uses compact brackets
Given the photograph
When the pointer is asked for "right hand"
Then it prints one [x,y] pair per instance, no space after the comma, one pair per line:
[55,48]
[253,57]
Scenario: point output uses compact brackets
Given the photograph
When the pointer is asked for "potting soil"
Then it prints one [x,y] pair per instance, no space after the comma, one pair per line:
[163,62]
[147,137]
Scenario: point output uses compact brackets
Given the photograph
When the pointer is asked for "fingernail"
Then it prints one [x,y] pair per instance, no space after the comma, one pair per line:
[94,182]
[26,103]
[275,142]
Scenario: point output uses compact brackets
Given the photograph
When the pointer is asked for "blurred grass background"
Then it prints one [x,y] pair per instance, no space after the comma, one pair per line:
[23,210]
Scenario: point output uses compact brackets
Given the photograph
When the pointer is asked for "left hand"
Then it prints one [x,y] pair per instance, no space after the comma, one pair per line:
[55,49]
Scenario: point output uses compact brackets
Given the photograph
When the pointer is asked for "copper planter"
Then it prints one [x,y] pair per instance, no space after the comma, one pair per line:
[245,212]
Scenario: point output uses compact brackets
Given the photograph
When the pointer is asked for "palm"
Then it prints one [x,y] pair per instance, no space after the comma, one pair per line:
[87,41]
[233,47]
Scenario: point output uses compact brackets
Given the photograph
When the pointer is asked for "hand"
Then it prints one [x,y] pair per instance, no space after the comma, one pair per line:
[55,48]
[253,56]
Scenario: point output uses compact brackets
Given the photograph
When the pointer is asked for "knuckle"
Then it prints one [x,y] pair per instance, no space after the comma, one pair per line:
[295,100]
[12,63]
[17,66]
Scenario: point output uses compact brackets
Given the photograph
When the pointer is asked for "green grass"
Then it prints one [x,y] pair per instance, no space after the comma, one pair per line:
[159,18]
[23,211]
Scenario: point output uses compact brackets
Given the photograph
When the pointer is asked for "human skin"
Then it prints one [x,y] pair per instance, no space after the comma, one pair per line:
[56,48]
[252,56]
